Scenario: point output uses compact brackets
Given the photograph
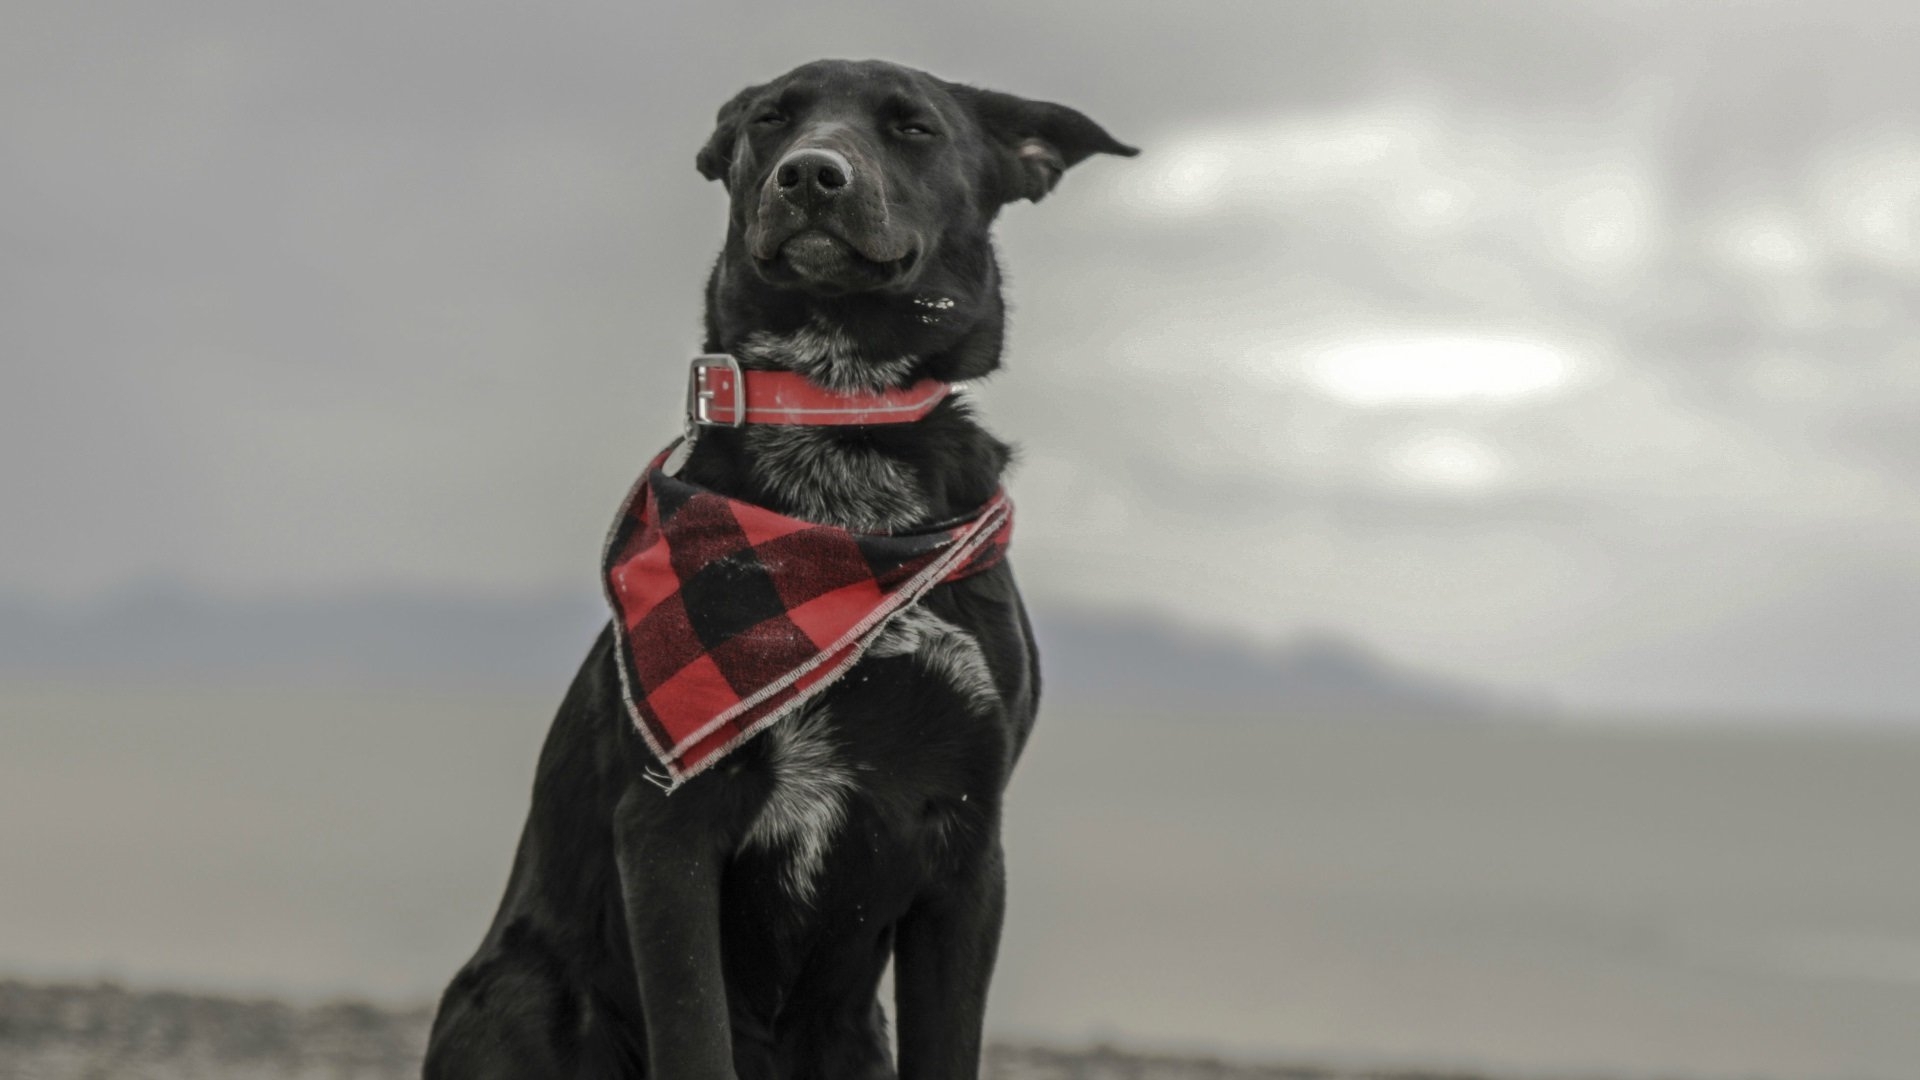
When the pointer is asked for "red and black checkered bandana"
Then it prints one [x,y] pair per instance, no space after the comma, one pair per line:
[729,616]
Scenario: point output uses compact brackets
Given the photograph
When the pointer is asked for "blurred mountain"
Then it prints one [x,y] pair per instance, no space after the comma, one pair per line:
[174,634]
[1109,658]
[378,638]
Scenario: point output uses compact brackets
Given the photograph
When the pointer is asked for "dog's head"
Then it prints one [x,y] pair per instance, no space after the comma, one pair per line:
[863,177]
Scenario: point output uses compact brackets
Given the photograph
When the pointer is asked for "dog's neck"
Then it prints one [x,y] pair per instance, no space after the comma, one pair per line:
[889,477]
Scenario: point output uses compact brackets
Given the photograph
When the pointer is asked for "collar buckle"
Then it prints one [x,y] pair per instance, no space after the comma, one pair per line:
[716,377]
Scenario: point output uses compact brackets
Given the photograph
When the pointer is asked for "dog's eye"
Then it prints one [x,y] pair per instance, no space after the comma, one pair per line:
[770,119]
[915,128]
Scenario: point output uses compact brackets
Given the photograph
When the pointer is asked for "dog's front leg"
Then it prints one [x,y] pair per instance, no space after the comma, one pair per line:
[943,961]
[670,868]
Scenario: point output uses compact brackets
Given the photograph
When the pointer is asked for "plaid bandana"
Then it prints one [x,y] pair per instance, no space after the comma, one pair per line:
[729,616]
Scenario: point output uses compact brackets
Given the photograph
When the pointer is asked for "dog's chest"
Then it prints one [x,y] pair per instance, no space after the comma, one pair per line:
[842,766]
[821,476]
[816,472]
[845,771]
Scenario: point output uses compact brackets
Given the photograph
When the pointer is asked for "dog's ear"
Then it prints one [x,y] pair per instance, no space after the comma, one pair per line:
[1035,141]
[716,158]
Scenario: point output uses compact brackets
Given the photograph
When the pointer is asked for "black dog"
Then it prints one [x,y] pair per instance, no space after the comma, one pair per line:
[739,926]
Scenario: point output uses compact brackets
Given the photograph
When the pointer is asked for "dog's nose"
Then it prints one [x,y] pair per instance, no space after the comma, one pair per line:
[811,174]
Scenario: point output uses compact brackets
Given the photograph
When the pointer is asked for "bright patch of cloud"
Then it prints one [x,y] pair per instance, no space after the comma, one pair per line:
[1440,370]
[1766,240]
[1265,160]
[1605,220]
[1424,174]
[1447,460]
[1867,194]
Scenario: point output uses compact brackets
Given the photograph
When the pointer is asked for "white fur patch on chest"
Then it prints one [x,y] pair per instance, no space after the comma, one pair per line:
[822,476]
[825,354]
[808,803]
[834,482]
[944,650]
[812,780]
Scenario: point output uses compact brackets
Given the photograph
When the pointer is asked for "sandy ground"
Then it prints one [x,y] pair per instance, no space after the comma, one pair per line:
[102,1031]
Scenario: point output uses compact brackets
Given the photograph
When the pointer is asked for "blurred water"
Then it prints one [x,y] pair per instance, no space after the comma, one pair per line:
[1617,899]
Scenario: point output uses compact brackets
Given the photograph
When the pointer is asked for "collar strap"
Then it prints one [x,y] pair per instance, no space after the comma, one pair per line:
[721,394]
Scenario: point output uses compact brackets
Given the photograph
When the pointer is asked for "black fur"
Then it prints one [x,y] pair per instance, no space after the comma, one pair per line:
[640,934]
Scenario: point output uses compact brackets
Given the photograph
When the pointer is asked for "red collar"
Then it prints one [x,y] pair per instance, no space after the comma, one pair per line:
[717,387]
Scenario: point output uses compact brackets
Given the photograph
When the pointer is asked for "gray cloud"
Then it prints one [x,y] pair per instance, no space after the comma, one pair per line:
[299,299]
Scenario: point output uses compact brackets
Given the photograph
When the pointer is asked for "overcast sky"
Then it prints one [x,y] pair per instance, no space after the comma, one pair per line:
[1569,347]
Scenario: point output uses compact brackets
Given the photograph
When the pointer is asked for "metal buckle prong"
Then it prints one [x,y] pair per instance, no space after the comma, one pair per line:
[700,393]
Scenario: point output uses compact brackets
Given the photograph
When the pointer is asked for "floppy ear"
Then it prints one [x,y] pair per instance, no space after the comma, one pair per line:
[716,158]
[1036,141]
